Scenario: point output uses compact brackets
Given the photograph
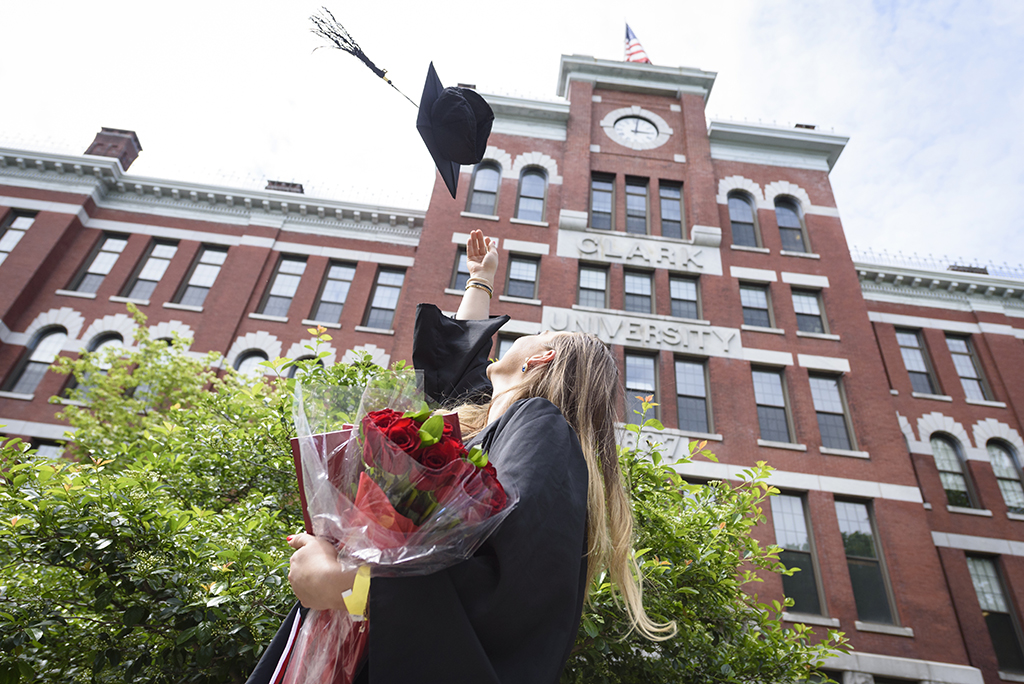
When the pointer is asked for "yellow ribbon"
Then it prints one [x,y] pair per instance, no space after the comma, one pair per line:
[356,598]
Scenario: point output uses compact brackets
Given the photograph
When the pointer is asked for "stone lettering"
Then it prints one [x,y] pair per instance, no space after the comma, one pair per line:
[670,334]
[666,256]
[638,251]
[588,245]
[634,332]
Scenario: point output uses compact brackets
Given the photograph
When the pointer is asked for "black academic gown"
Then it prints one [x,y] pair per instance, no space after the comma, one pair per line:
[509,614]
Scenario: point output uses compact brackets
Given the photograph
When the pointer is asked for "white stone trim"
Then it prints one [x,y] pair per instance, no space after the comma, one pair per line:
[730,183]
[65,317]
[900,320]
[757,275]
[883,629]
[298,350]
[497,155]
[805,280]
[806,619]
[781,187]
[806,481]
[970,542]
[28,428]
[911,669]
[526,247]
[122,324]
[824,363]
[767,356]
[990,428]
[169,328]
[664,130]
[345,254]
[261,340]
[536,159]
[380,357]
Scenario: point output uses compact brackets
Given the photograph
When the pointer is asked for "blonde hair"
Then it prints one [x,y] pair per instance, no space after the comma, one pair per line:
[583,381]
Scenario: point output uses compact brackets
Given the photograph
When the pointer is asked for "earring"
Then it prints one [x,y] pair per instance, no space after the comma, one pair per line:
[525,368]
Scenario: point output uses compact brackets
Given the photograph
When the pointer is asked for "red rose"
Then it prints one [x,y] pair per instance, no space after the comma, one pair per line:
[448,429]
[404,433]
[439,455]
[384,417]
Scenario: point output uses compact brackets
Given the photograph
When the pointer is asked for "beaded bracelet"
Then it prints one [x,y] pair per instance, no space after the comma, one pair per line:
[481,286]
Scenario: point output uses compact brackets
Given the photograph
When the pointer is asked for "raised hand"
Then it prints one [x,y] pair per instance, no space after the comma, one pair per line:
[481,256]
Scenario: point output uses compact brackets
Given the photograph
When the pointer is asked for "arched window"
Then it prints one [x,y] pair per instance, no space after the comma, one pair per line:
[483,192]
[97,344]
[791,226]
[530,204]
[743,220]
[1006,466]
[41,353]
[950,464]
[248,363]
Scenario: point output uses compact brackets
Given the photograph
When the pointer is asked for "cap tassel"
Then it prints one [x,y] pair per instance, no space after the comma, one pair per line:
[330,29]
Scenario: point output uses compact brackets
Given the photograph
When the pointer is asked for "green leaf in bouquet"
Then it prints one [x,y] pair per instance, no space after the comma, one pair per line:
[431,430]
[419,414]
[478,457]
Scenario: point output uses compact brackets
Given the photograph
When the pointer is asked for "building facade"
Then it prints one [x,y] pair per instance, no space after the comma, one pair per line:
[712,260]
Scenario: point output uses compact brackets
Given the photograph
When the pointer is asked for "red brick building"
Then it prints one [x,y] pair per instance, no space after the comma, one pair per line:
[710,257]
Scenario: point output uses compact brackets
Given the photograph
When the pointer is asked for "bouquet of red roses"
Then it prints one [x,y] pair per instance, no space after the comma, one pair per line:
[399,494]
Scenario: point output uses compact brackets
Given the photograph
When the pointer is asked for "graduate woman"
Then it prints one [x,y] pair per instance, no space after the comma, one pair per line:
[545,414]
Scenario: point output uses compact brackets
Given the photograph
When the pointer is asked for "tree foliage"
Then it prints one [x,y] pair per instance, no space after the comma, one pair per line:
[154,550]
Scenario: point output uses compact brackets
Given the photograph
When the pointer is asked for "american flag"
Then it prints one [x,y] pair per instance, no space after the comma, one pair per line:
[634,50]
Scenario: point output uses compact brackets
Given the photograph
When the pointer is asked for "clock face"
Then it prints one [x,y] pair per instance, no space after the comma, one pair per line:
[633,129]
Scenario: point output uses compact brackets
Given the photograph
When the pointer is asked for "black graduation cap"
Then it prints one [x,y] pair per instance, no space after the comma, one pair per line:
[454,124]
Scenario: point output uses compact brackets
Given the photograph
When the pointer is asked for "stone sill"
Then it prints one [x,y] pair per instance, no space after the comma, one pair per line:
[519,300]
[807,619]
[453,291]
[1010,677]
[182,307]
[981,512]
[933,397]
[80,295]
[125,300]
[539,224]
[375,331]
[264,317]
[781,445]
[802,255]
[485,217]
[884,629]
[1014,516]
[335,326]
[894,393]
[744,248]
[852,453]
[927,506]
[817,336]
[983,402]
[711,437]
[17,395]
[761,329]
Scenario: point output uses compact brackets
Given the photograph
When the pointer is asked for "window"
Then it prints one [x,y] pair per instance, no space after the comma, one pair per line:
[13,230]
[102,341]
[1007,470]
[40,355]
[912,348]
[530,205]
[100,263]
[249,362]
[333,292]
[951,471]
[754,300]
[202,276]
[483,193]
[505,343]
[770,396]
[683,292]
[641,381]
[793,535]
[967,367]
[671,195]
[1002,629]
[460,274]
[742,220]
[522,277]
[808,311]
[593,286]
[602,191]
[47,449]
[863,558]
[831,409]
[639,292]
[791,228]
[636,206]
[154,265]
[692,396]
[283,285]
[385,299]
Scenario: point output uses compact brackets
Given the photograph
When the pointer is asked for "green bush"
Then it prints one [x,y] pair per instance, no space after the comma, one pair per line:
[154,550]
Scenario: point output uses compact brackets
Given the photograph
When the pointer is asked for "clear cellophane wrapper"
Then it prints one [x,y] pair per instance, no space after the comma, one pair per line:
[381,507]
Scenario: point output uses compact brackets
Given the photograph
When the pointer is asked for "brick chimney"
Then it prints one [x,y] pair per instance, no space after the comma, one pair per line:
[114,142]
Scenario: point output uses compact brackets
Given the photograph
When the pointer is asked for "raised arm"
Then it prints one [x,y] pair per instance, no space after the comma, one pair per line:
[482,262]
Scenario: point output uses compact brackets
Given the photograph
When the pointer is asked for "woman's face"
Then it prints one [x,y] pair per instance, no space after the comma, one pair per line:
[521,351]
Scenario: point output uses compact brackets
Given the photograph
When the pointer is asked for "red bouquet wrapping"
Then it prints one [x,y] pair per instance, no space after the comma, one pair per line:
[399,495]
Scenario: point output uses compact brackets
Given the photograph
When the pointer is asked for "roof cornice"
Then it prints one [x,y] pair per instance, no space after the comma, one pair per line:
[633,77]
[828,146]
[909,284]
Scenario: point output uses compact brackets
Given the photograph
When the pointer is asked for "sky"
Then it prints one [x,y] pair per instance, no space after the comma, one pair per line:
[930,92]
